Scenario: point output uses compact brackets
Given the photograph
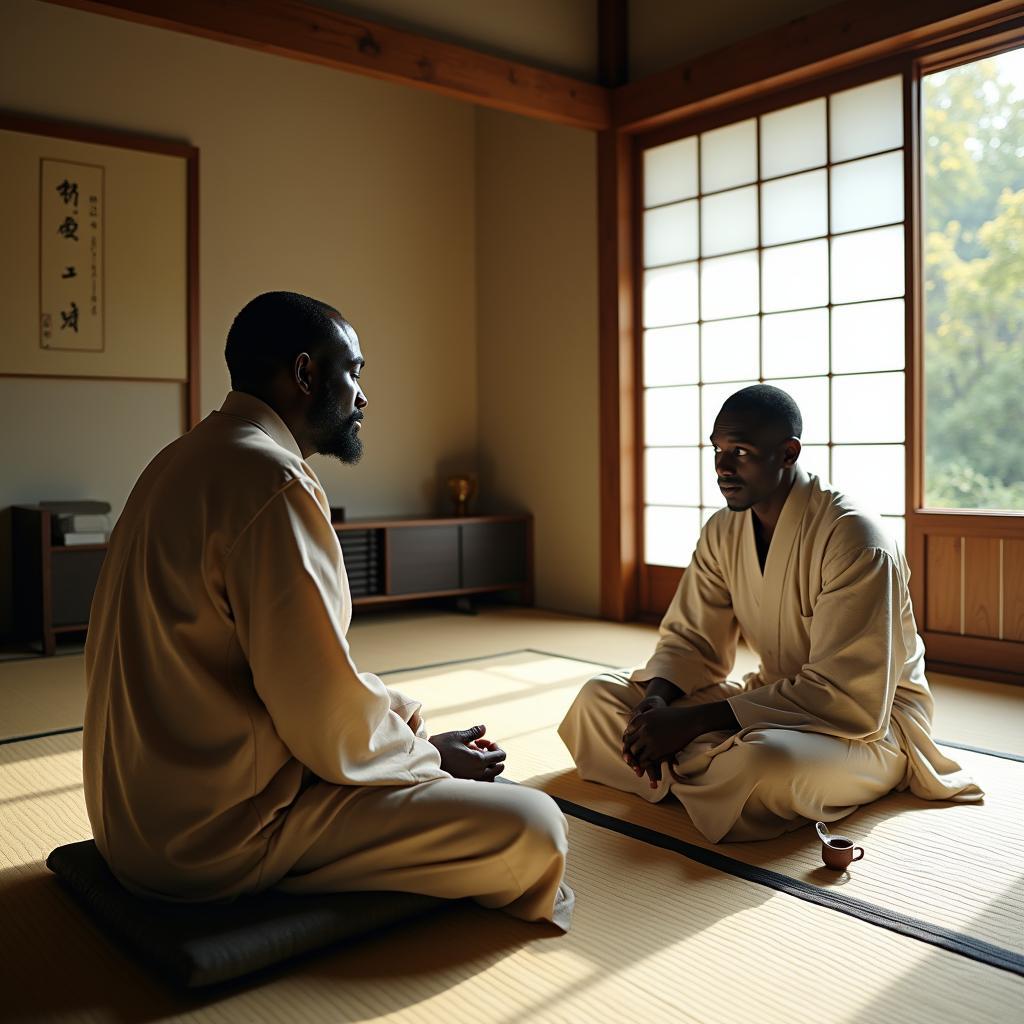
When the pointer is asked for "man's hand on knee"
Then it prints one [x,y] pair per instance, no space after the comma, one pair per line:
[649,703]
[465,754]
[658,734]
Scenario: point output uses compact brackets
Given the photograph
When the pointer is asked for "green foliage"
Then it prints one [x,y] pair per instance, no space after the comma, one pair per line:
[974,287]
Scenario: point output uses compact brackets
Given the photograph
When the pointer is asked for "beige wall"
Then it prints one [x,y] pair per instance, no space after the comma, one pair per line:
[353,190]
[538,355]
[663,33]
[365,194]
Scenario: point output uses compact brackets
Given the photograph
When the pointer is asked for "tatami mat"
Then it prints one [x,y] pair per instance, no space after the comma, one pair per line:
[951,865]
[656,938]
[43,694]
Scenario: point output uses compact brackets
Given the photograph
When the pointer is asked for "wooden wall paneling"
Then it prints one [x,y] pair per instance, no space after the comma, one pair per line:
[836,38]
[1013,590]
[981,586]
[306,32]
[976,657]
[192,248]
[918,573]
[943,597]
[913,311]
[968,524]
[617,395]
[660,586]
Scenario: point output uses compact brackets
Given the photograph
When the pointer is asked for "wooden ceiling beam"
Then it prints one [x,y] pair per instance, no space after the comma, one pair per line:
[832,39]
[302,31]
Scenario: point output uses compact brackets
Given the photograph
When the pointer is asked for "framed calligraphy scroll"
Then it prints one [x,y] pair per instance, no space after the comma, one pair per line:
[99,275]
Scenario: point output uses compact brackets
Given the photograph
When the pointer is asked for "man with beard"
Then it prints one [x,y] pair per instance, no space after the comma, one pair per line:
[839,711]
[230,744]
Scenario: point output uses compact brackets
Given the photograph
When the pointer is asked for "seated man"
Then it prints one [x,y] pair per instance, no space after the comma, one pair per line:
[839,711]
[230,745]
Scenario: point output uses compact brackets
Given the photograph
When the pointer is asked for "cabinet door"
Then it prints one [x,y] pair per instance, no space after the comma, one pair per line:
[74,575]
[494,554]
[423,559]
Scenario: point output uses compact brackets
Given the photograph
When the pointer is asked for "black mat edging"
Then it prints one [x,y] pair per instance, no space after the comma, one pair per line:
[1005,754]
[912,927]
[40,735]
[458,661]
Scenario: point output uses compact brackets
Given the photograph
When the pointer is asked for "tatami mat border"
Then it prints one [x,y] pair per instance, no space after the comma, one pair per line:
[912,927]
[40,735]
[1005,754]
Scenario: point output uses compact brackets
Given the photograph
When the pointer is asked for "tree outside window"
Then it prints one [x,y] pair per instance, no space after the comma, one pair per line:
[973,163]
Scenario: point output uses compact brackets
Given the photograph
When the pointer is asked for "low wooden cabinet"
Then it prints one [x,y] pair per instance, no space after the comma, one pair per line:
[387,560]
[53,584]
[391,560]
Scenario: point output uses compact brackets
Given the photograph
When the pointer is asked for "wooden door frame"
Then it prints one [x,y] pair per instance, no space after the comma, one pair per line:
[627,583]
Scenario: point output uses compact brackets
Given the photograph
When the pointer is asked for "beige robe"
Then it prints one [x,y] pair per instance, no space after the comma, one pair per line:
[839,711]
[230,743]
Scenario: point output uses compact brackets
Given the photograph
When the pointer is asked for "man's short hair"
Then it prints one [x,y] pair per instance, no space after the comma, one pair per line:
[271,331]
[770,405]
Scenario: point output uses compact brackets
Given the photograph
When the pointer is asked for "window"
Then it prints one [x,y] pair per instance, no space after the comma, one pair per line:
[773,250]
[972,231]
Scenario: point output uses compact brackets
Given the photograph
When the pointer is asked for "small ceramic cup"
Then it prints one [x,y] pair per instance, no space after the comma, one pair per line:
[837,852]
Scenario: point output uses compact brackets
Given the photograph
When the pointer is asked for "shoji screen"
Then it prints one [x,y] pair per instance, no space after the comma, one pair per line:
[773,250]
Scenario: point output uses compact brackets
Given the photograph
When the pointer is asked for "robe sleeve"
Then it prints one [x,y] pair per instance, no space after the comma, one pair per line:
[846,687]
[285,584]
[699,633]
[409,710]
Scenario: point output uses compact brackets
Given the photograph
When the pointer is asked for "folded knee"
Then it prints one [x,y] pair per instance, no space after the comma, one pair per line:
[598,698]
[544,825]
[510,815]
[770,753]
[598,690]
[784,753]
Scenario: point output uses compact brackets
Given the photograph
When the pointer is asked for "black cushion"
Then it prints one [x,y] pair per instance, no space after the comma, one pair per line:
[195,944]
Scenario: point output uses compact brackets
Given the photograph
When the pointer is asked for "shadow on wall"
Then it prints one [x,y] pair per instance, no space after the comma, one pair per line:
[437,496]
[493,498]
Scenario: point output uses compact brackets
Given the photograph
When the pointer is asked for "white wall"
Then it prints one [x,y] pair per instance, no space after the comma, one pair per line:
[538,355]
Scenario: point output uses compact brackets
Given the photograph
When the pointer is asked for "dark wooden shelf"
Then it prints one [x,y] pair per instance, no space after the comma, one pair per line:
[380,524]
[461,592]
[396,561]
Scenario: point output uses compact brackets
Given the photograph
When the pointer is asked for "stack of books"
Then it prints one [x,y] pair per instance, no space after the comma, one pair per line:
[79,522]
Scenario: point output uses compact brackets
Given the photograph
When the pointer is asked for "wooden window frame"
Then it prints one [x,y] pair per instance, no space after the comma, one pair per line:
[633,589]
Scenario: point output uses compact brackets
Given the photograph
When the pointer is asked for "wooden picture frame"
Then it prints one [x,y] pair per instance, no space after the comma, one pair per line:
[112,353]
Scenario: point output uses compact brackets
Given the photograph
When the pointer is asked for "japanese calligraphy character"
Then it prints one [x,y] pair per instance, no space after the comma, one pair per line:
[69,228]
[68,191]
[70,319]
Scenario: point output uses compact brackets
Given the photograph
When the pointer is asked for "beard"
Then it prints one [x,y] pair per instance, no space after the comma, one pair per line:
[334,434]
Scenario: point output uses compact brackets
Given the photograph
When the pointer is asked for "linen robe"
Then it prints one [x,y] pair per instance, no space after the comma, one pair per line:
[230,743]
[839,711]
